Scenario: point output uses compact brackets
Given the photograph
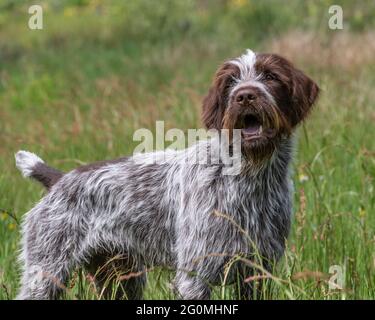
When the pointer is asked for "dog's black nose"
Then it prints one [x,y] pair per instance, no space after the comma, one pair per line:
[245,96]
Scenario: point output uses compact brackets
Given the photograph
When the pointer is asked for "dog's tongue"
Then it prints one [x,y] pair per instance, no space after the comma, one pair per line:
[251,130]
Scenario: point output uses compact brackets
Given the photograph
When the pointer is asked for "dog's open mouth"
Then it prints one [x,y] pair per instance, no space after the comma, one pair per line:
[253,128]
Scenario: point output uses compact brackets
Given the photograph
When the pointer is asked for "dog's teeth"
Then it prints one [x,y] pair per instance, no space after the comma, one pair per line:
[260,129]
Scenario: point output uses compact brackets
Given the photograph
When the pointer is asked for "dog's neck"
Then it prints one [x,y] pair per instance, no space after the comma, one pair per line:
[276,164]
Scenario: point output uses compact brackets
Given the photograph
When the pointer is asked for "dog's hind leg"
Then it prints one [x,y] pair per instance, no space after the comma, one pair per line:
[47,255]
[43,281]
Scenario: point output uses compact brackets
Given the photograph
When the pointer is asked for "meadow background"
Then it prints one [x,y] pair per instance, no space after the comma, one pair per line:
[75,92]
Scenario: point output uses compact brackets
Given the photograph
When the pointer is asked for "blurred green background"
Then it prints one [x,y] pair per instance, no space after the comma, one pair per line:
[75,92]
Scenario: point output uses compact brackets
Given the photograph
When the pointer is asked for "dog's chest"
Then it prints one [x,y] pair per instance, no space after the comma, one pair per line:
[261,207]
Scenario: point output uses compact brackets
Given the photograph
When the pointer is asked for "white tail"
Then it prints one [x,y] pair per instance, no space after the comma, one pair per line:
[26,161]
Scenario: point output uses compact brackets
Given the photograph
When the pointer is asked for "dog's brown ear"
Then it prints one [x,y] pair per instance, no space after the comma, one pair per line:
[211,111]
[215,101]
[304,94]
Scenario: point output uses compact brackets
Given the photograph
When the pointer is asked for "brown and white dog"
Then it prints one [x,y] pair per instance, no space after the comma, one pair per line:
[188,216]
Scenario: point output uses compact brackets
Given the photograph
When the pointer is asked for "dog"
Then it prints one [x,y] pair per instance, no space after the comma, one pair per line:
[187,216]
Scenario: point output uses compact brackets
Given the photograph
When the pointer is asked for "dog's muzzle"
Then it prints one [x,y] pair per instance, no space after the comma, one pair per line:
[253,120]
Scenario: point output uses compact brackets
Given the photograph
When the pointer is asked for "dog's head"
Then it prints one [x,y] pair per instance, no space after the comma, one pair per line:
[263,95]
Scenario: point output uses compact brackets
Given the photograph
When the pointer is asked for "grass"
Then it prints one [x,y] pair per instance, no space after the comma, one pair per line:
[76,91]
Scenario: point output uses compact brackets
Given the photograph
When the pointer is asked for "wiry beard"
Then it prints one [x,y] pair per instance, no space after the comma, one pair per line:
[259,152]
[273,126]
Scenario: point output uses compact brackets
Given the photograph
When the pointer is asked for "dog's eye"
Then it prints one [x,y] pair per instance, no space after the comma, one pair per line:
[270,76]
[229,83]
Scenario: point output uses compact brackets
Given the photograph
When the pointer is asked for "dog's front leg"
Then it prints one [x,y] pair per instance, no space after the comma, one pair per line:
[190,286]
[200,261]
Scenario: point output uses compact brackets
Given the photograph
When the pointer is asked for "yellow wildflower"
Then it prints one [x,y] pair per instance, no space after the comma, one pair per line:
[302,177]
[70,11]
[12,226]
[239,3]
[362,212]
